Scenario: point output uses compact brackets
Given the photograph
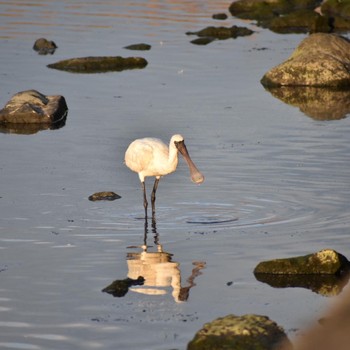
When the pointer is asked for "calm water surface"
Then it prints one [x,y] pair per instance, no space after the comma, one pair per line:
[277,181]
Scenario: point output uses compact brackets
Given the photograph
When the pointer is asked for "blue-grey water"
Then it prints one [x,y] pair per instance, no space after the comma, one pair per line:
[277,181]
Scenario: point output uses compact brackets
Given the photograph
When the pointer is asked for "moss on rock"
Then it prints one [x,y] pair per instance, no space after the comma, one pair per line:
[247,332]
[99,64]
[325,262]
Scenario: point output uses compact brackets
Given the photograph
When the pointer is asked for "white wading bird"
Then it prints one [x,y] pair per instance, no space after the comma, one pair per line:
[152,157]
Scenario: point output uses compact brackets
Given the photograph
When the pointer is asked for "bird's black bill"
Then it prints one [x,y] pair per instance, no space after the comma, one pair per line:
[196,176]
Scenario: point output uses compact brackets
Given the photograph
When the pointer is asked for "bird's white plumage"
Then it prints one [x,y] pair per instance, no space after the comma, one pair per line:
[152,157]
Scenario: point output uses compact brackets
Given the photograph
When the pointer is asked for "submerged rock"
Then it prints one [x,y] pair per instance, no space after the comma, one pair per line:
[240,333]
[32,107]
[321,60]
[138,47]
[99,64]
[327,262]
[222,33]
[219,16]
[316,103]
[119,288]
[104,196]
[44,46]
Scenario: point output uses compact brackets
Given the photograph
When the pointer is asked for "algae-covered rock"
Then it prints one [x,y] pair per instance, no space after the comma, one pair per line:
[138,47]
[327,261]
[104,196]
[44,46]
[321,60]
[247,332]
[99,64]
[32,107]
[222,33]
[316,103]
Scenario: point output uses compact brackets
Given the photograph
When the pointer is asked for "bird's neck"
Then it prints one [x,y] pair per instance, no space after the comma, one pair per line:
[172,154]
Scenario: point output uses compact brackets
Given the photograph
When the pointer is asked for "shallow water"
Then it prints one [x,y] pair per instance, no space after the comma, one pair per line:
[277,181]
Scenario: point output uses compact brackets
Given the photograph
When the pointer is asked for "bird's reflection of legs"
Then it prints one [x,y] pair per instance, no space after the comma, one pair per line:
[154,231]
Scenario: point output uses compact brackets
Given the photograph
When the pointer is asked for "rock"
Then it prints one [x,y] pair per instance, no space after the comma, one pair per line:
[44,46]
[279,15]
[202,41]
[325,262]
[139,47]
[32,107]
[247,332]
[220,16]
[317,103]
[222,32]
[99,64]
[321,60]
[119,288]
[104,196]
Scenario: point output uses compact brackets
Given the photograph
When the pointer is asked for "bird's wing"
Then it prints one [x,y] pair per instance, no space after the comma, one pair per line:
[138,156]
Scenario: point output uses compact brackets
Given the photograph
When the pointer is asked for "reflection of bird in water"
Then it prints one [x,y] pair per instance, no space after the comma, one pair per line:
[158,270]
[152,272]
[152,157]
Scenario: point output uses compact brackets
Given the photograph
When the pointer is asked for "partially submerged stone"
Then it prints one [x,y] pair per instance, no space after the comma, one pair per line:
[321,60]
[327,262]
[316,103]
[99,64]
[247,332]
[104,196]
[32,107]
[119,288]
[222,33]
[220,16]
[138,47]
[44,46]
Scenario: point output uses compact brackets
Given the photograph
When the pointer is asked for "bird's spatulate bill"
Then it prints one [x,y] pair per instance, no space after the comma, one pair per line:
[196,176]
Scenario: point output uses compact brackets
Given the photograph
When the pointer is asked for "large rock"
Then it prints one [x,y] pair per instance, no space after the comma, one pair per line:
[99,64]
[327,262]
[32,107]
[321,60]
[247,332]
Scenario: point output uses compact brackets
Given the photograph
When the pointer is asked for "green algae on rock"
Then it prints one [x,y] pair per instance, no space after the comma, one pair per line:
[99,64]
[104,196]
[246,332]
[327,262]
[320,60]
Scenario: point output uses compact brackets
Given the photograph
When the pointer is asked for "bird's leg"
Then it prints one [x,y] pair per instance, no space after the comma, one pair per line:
[153,197]
[145,203]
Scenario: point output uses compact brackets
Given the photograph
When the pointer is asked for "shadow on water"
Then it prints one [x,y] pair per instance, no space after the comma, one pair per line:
[152,271]
[326,285]
[317,103]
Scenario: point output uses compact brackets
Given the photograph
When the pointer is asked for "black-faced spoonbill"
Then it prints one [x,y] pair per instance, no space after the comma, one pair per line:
[152,157]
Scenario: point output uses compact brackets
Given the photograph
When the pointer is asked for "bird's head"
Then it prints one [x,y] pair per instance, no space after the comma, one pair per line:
[196,175]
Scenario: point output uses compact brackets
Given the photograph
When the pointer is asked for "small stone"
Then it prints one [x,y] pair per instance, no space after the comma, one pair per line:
[104,196]
[44,46]
[138,47]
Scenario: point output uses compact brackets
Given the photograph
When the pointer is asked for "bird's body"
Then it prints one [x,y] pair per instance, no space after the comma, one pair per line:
[152,157]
